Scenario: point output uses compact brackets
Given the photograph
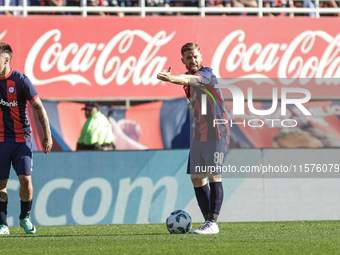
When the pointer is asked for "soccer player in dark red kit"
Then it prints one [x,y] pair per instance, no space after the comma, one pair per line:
[15,137]
[210,142]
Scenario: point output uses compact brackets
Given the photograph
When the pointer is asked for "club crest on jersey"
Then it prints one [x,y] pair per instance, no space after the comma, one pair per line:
[11,90]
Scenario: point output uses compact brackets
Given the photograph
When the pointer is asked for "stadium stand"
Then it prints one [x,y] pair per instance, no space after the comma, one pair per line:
[202,8]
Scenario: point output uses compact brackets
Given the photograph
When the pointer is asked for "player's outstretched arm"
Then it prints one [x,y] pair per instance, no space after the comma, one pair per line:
[43,118]
[181,79]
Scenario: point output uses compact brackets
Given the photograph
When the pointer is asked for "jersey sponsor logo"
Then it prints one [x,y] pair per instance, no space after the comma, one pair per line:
[9,104]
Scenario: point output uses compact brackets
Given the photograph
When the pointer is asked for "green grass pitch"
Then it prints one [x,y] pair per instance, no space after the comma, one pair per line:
[310,237]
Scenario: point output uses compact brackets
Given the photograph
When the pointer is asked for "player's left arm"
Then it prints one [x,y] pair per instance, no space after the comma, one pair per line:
[181,79]
[43,119]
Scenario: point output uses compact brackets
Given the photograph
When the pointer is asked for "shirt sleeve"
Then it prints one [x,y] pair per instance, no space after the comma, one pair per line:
[30,91]
[207,76]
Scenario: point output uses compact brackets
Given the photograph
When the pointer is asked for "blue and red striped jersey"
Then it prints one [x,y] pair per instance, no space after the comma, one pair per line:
[204,123]
[15,90]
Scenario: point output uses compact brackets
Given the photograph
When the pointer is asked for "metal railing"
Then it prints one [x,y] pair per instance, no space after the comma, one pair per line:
[142,10]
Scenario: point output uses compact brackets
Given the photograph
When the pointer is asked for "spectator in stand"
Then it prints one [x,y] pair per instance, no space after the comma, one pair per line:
[214,3]
[329,4]
[181,3]
[120,3]
[277,3]
[29,3]
[52,3]
[228,3]
[89,3]
[157,3]
[304,4]
[97,130]
[128,3]
[249,3]
[8,3]
[95,3]
[192,3]
[175,3]
[234,3]
[73,3]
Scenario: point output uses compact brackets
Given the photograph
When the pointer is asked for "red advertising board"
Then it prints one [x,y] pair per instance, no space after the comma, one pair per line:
[76,58]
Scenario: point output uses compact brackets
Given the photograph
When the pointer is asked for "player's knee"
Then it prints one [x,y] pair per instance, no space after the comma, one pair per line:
[215,178]
[25,181]
[3,184]
[198,182]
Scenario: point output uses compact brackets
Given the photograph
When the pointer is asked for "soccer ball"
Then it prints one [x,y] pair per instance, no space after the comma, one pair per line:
[179,222]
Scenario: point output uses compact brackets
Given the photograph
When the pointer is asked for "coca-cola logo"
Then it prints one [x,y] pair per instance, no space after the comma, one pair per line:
[295,61]
[2,35]
[107,68]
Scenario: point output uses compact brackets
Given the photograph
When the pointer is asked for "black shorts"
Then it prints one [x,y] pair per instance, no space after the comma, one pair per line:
[20,155]
[207,157]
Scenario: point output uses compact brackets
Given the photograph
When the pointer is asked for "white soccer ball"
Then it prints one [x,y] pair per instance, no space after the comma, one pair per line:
[179,222]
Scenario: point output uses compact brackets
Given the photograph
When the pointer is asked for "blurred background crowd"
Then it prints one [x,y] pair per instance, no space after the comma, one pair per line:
[175,3]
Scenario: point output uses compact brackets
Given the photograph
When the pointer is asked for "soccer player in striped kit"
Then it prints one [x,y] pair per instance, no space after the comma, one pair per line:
[210,142]
[15,137]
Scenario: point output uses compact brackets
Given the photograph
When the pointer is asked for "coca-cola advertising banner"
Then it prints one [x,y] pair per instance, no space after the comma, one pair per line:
[76,58]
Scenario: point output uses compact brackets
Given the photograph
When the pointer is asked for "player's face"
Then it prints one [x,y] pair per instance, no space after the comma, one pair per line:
[192,60]
[90,112]
[4,60]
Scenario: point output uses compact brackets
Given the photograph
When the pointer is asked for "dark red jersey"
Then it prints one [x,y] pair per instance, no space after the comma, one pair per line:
[15,90]
[205,130]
